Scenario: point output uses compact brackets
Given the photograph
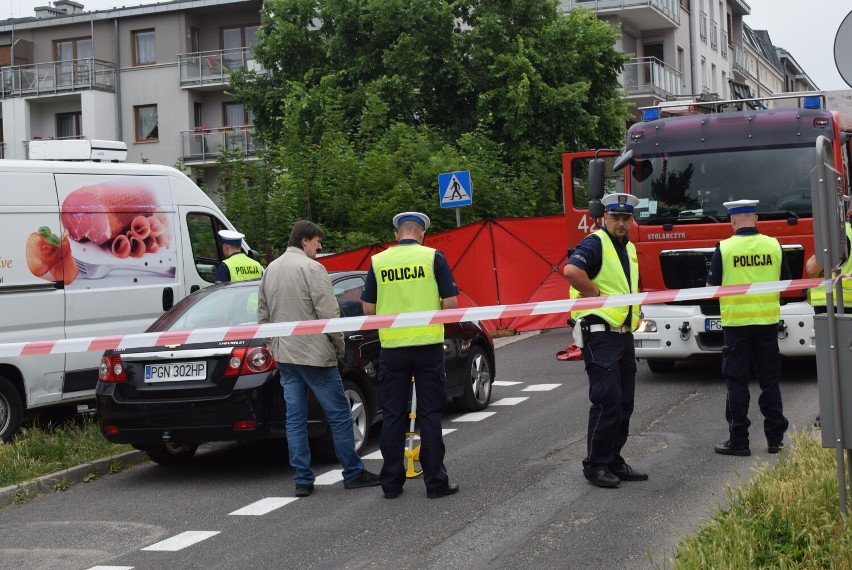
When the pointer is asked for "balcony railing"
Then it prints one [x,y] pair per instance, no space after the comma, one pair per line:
[740,59]
[650,76]
[702,26]
[208,144]
[670,8]
[56,77]
[206,67]
[714,36]
[723,44]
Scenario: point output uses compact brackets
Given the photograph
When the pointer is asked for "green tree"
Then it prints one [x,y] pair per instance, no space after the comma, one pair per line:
[366,101]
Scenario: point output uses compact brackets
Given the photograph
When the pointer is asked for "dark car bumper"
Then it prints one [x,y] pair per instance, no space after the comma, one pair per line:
[257,398]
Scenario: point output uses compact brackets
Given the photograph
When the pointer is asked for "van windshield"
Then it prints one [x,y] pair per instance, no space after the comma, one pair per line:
[691,188]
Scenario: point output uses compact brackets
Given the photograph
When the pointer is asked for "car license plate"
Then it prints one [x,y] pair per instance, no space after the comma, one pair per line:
[175,371]
[712,325]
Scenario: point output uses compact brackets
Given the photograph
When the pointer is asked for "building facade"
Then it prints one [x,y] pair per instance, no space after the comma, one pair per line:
[692,48]
[152,76]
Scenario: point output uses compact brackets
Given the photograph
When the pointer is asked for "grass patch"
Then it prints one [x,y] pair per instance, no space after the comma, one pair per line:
[42,449]
[786,517]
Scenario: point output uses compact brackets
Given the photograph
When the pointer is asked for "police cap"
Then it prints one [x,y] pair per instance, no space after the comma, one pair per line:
[741,206]
[619,203]
[230,237]
[421,219]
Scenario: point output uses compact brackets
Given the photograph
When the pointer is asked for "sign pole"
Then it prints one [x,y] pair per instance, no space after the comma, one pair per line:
[458,217]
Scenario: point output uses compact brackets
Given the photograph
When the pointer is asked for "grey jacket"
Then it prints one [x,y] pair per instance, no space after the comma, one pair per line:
[296,288]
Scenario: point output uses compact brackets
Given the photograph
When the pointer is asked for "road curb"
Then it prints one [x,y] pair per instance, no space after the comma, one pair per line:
[70,476]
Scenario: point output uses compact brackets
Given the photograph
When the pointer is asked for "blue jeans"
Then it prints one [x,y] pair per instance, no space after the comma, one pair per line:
[325,383]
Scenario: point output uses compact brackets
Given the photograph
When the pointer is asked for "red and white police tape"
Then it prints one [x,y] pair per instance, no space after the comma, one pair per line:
[295,328]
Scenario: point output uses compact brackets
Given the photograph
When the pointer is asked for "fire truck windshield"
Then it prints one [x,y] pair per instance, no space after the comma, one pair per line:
[691,188]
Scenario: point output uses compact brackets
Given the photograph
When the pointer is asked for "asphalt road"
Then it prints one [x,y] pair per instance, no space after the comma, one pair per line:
[523,500]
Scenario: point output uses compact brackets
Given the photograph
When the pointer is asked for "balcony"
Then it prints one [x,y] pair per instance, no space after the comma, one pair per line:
[649,78]
[213,68]
[702,26]
[641,14]
[56,77]
[714,36]
[740,60]
[723,44]
[203,146]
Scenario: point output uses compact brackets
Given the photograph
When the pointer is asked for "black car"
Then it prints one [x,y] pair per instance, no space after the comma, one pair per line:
[168,400]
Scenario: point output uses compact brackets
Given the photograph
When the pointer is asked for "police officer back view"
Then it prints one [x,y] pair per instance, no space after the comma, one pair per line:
[605,263]
[750,328]
[404,278]
[236,266]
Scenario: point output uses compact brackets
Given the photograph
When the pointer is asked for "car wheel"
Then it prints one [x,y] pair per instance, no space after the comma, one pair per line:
[661,366]
[10,410]
[477,382]
[172,453]
[324,444]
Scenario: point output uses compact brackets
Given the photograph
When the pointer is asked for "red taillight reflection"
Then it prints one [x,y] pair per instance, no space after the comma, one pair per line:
[110,430]
[254,360]
[111,369]
[241,425]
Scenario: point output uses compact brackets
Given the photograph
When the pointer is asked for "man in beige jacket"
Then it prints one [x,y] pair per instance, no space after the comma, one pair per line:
[295,287]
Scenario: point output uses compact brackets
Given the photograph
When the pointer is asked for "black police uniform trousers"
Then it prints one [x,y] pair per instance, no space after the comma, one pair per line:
[396,367]
[611,366]
[753,347]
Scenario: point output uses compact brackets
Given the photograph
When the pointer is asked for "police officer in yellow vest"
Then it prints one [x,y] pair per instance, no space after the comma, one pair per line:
[605,263]
[237,266]
[816,296]
[405,278]
[750,328]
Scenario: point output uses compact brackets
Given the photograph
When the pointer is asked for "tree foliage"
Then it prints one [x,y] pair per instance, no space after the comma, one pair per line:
[365,102]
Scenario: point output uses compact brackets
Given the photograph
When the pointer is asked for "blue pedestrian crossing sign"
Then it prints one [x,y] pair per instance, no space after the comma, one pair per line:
[455,189]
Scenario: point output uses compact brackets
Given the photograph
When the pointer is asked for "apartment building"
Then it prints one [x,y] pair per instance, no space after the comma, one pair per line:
[694,47]
[153,76]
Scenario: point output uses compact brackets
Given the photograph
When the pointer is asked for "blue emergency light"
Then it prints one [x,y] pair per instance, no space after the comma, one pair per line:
[651,114]
[812,102]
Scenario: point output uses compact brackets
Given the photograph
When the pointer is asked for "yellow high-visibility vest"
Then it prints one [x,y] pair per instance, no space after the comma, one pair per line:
[405,276]
[611,280]
[750,259]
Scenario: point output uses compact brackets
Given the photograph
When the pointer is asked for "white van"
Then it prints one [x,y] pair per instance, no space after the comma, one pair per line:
[91,249]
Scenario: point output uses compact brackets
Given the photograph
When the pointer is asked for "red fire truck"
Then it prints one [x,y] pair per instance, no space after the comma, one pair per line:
[682,167]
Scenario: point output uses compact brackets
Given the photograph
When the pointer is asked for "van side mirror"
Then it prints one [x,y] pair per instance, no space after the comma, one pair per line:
[254,255]
[596,178]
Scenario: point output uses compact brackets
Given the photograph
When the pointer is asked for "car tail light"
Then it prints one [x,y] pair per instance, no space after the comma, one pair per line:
[111,369]
[110,430]
[250,361]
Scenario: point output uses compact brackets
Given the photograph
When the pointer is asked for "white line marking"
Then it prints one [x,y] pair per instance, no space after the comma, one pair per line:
[375,455]
[182,540]
[330,478]
[505,383]
[474,417]
[446,431]
[264,506]
[509,401]
[111,568]
[541,387]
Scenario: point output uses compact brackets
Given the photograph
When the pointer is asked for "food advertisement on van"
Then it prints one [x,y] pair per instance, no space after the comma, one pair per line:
[112,233]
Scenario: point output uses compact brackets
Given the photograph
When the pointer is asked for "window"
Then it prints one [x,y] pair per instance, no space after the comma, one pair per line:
[348,292]
[681,65]
[145,118]
[69,125]
[239,37]
[67,54]
[144,48]
[235,115]
[203,230]
[197,115]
